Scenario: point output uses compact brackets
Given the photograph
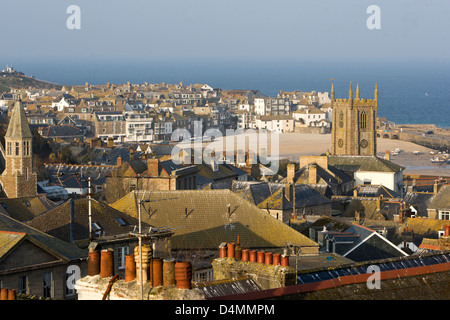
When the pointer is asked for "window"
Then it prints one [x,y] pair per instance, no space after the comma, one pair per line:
[122,252]
[120,222]
[362,120]
[23,284]
[97,228]
[9,148]
[444,215]
[48,285]
[26,148]
[341,119]
[17,148]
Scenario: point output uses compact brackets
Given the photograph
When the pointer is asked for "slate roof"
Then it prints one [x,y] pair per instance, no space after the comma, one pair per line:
[61,131]
[57,222]
[359,243]
[420,201]
[61,249]
[223,172]
[363,163]
[273,195]
[419,228]
[62,171]
[373,191]
[18,124]
[23,209]
[441,200]
[206,218]
[109,156]
[329,223]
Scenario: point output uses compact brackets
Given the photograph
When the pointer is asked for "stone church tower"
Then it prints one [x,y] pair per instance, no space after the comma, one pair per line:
[18,179]
[354,124]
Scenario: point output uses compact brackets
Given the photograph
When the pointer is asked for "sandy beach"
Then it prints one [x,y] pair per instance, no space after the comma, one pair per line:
[293,145]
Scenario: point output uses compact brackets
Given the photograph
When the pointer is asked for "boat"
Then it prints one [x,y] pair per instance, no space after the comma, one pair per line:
[438,160]
[417,153]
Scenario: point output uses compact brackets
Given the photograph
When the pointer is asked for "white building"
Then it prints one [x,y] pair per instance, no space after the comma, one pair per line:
[370,170]
[139,127]
[281,123]
[311,116]
[260,106]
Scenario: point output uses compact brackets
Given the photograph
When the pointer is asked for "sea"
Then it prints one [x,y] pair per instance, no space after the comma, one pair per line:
[410,92]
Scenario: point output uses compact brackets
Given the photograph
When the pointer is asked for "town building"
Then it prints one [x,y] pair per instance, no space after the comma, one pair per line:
[18,179]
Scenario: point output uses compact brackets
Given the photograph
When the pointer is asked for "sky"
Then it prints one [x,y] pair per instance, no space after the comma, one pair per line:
[135,30]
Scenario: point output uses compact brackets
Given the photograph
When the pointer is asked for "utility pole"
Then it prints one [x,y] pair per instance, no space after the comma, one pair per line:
[90,209]
[140,250]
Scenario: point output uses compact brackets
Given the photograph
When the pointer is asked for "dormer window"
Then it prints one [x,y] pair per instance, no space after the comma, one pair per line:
[97,229]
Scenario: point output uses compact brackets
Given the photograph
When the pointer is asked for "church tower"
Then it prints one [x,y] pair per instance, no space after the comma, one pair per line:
[18,179]
[354,124]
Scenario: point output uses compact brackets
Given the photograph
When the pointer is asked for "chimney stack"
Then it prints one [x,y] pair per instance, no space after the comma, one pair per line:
[387,156]
[107,263]
[119,161]
[153,167]
[146,256]
[183,275]
[312,173]
[94,263]
[169,272]
[290,173]
[130,268]
[379,202]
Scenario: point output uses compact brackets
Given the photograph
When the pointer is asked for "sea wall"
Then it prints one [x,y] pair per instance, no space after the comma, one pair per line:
[426,141]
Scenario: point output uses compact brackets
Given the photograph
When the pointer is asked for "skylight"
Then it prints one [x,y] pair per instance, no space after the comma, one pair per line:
[120,222]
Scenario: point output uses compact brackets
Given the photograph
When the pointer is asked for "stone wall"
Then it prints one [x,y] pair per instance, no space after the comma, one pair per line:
[266,276]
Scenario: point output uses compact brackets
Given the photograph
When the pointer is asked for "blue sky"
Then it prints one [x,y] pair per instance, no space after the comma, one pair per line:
[227,29]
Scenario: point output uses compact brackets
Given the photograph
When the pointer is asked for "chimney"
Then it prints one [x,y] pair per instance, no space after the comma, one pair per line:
[355,192]
[447,230]
[94,263]
[183,275]
[223,250]
[107,263]
[387,156]
[153,167]
[130,268]
[156,272]
[312,176]
[379,202]
[119,161]
[437,186]
[290,173]
[168,272]
[231,250]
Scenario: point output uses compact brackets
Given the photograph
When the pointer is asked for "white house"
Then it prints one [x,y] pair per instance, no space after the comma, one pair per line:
[311,116]
[370,170]
[260,105]
[279,123]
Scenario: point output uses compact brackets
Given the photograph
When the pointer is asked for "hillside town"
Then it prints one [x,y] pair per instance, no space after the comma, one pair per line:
[95,207]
